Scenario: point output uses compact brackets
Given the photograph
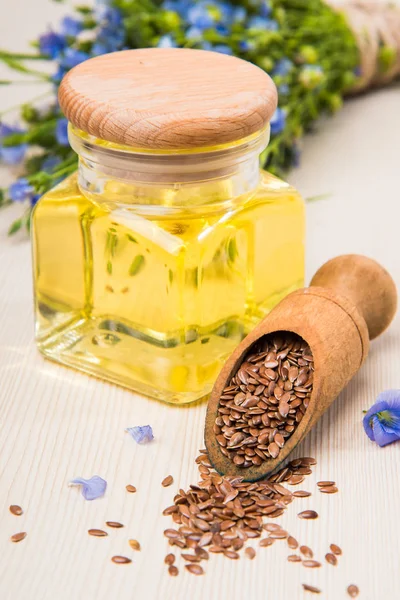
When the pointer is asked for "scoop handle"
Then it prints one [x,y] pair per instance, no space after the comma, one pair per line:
[366,284]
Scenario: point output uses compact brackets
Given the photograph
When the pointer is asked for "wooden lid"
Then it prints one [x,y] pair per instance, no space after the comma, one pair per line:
[171,98]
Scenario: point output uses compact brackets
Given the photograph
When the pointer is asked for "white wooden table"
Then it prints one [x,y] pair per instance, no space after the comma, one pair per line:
[56,424]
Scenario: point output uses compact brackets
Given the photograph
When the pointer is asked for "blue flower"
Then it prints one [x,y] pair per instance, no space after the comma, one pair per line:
[11,155]
[62,132]
[193,33]
[199,16]
[246,45]
[58,75]
[382,421]
[50,163]
[141,434]
[262,23]
[239,14]
[222,49]
[283,89]
[51,44]
[20,190]
[92,488]
[35,199]
[283,67]
[72,57]
[265,9]
[166,41]
[109,15]
[278,121]
[71,26]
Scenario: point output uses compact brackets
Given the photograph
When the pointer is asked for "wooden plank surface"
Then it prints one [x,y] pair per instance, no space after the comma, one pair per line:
[56,424]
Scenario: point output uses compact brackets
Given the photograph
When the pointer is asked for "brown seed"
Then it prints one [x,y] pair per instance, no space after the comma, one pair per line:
[335,549]
[278,535]
[295,479]
[301,494]
[114,524]
[173,571]
[194,569]
[172,534]
[231,554]
[134,544]
[18,537]
[272,527]
[329,489]
[121,560]
[16,510]
[292,542]
[353,591]
[97,532]
[266,542]
[312,564]
[130,488]
[202,553]
[294,558]
[308,514]
[311,588]
[331,559]
[250,553]
[306,551]
[322,484]
[167,481]
[169,559]
[191,557]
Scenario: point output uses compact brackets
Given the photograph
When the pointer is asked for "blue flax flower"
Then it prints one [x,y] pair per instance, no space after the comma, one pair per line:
[20,190]
[92,488]
[11,155]
[200,16]
[71,26]
[62,132]
[262,23]
[278,121]
[142,434]
[382,421]
[283,67]
[166,41]
[222,49]
[72,57]
[52,44]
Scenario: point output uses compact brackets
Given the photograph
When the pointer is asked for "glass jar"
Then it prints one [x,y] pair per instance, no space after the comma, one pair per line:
[150,265]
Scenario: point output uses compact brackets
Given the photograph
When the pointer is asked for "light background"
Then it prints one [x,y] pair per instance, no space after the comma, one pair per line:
[56,424]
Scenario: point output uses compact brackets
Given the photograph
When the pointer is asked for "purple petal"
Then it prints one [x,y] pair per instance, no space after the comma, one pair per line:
[92,488]
[12,155]
[391,398]
[141,434]
[382,437]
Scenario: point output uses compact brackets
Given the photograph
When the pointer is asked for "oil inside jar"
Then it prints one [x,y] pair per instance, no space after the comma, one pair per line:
[157,303]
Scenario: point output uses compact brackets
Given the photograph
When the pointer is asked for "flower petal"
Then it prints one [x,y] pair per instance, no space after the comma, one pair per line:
[92,488]
[391,398]
[382,437]
[378,406]
[141,434]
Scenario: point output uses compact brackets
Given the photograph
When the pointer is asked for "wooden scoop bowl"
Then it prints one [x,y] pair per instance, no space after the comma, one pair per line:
[351,299]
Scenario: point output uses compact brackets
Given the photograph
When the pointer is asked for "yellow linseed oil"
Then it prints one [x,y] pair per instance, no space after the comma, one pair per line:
[157,302]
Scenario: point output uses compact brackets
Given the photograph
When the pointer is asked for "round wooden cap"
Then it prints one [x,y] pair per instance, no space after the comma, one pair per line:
[173,98]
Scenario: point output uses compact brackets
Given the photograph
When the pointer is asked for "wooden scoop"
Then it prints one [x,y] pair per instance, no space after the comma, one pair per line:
[351,300]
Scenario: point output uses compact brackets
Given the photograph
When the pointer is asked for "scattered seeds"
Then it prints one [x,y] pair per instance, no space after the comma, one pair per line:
[134,544]
[311,588]
[169,559]
[265,401]
[167,481]
[194,569]
[173,571]
[292,542]
[18,537]
[250,553]
[308,514]
[121,560]
[312,564]
[131,489]
[306,551]
[114,524]
[335,549]
[16,510]
[331,559]
[97,532]
[294,558]
[353,591]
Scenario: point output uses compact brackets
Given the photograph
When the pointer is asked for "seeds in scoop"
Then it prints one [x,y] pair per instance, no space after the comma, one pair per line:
[194,569]
[167,481]
[301,494]
[312,564]
[294,558]
[97,532]
[353,591]
[306,551]
[114,524]
[331,559]
[292,542]
[173,571]
[329,489]
[134,544]
[16,510]
[18,537]
[169,559]
[308,514]
[130,488]
[250,553]
[311,588]
[335,549]
[264,402]
[121,560]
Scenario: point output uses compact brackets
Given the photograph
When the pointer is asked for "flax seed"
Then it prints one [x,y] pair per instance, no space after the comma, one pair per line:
[121,560]
[331,559]
[16,510]
[114,524]
[312,564]
[18,537]
[130,488]
[169,559]
[306,551]
[134,544]
[194,569]
[353,591]
[97,532]
[173,571]
[167,481]
[335,549]
[308,514]
[311,588]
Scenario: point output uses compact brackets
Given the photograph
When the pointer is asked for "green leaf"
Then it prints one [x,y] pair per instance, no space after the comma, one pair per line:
[137,265]
[317,197]
[15,226]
